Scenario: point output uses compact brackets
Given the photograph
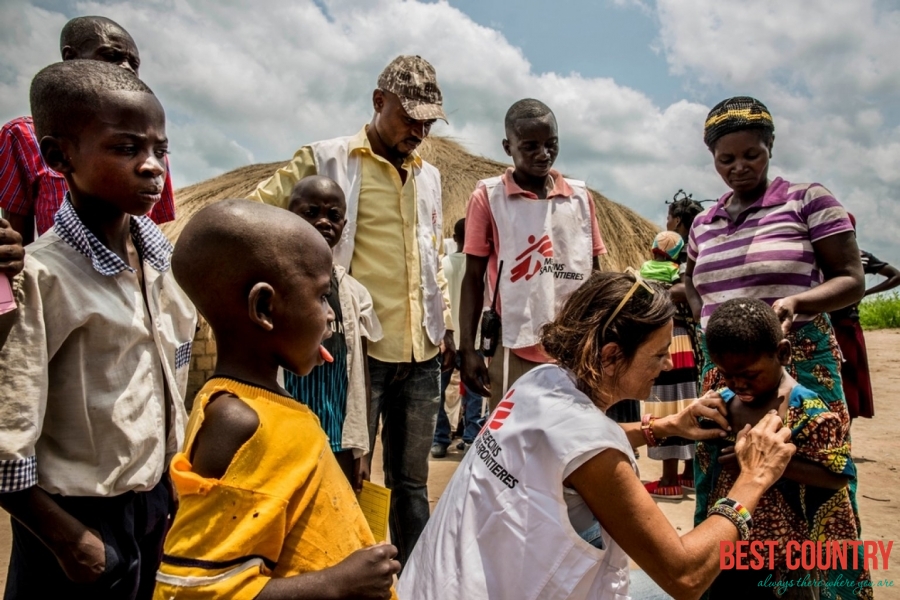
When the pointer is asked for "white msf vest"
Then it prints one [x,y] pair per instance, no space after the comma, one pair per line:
[545,246]
[333,160]
[501,529]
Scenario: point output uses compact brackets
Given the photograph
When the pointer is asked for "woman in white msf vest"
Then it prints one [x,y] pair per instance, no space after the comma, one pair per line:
[548,503]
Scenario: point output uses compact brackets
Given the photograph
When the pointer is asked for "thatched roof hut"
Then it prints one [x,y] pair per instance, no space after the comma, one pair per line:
[627,234]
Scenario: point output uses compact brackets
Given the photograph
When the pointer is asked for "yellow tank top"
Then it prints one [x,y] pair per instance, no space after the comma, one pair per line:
[282,508]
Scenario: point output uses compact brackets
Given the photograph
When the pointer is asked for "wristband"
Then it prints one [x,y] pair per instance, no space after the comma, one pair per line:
[647,430]
[735,512]
[740,508]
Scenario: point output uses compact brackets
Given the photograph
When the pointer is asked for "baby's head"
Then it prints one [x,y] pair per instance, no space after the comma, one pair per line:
[745,341]
[105,131]
[320,201]
[667,245]
[260,276]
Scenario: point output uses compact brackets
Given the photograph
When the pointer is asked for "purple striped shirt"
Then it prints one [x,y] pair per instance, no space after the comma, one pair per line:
[766,252]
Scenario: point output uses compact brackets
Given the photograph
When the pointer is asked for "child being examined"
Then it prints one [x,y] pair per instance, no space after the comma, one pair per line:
[338,392]
[96,364]
[264,510]
[811,501]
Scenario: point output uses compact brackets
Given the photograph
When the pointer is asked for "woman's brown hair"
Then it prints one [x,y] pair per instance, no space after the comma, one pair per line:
[577,335]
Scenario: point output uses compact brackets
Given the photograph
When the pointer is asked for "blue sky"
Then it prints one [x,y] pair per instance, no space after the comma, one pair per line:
[630,81]
[605,40]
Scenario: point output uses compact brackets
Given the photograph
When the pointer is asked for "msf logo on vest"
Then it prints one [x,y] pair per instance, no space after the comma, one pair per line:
[538,259]
[488,449]
[538,253]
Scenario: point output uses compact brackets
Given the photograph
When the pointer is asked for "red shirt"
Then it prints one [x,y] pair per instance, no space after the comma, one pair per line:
[29,187]
[482,238]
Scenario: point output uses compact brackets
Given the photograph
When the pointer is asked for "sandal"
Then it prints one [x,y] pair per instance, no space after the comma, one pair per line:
[668,493]
[687,483]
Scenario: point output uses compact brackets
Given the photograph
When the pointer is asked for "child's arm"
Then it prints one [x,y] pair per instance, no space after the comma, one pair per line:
[369,329]
[367,573]
[24,384]
[823,453]
[363,467]
[807,472]
[78,549]
[798,469]
[816,466]
[227,425]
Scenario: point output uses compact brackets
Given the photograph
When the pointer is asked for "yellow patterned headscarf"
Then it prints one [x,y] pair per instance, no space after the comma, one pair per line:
[736,114]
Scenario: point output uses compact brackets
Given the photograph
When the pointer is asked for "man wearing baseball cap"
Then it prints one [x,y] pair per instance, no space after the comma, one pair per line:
[392,244]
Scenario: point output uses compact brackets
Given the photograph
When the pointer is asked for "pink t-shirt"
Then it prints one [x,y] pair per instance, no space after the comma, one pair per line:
[483,240]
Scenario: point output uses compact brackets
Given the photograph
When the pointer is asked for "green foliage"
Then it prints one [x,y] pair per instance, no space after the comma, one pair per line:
[880,312]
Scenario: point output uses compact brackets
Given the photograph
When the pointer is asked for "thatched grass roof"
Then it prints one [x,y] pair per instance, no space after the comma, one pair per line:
[627,235]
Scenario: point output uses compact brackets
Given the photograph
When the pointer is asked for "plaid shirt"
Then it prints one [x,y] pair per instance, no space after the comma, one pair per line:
[29,187]
[152,245]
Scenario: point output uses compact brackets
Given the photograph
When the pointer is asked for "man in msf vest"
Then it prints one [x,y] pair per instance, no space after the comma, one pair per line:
[392,245]
[542,227]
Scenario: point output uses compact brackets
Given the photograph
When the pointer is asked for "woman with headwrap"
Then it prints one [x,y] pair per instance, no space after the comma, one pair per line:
[790,244]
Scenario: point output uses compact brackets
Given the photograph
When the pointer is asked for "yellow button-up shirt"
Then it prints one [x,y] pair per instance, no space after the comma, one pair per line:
[386,253]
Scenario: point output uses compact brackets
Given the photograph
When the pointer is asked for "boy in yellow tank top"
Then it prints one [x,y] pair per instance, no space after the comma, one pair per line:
[264,510]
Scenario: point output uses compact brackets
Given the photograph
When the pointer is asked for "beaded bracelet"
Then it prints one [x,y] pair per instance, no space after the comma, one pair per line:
[736,513]
[740,508]
[647,430]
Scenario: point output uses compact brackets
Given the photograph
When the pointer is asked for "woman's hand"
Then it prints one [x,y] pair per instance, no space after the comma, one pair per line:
[784,310]
[764,451]
[689,423]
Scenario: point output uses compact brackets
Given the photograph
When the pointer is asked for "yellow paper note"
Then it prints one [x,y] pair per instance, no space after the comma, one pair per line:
[375,502]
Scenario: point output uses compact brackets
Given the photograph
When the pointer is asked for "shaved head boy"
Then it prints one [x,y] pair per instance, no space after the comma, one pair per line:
[265,511]
[251,271]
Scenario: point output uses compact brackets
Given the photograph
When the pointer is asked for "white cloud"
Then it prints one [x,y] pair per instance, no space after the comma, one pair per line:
[242,82]
[828,71]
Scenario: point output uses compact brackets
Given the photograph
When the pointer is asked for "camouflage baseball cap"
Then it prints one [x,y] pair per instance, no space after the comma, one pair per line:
[413,79]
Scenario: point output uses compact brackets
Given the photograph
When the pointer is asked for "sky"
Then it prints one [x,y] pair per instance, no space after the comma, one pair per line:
[630,81]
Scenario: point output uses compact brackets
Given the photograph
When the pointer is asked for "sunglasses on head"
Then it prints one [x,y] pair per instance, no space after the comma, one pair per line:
[638,283]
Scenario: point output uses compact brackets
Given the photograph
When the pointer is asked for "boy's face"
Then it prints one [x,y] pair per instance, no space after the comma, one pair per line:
[324,209]
[753,377]
[110,45]
[533,145]
[305,311]
[119,157]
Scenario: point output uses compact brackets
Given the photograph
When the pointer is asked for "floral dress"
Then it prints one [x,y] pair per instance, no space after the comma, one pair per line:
[790,510]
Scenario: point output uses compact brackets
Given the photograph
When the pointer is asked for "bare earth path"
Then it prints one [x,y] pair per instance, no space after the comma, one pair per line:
[876,450]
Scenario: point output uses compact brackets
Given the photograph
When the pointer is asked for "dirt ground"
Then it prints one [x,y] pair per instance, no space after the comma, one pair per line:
[876,450]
